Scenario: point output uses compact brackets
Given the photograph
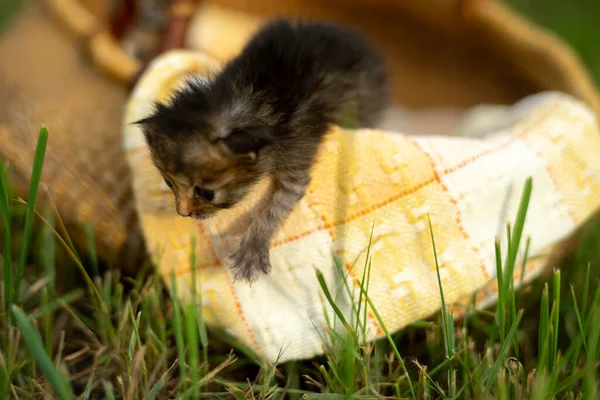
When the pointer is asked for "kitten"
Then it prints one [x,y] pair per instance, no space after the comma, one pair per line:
[264,114]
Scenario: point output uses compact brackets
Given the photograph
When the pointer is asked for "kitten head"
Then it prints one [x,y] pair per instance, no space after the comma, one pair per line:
[207,154]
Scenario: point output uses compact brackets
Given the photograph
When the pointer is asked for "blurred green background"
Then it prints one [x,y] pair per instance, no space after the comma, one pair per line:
[8,9]
[576,21]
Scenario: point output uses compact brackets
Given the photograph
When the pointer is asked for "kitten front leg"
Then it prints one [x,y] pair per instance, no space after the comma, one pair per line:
[252,257]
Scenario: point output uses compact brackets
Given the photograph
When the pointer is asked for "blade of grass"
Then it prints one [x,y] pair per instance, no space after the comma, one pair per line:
[384,328]
[197,302]
[447,320]
[327,294]
[500,311]
[89,387]
[108,390]
[555,318]
[367,275]
[293,379]
[491,373]
[135,338]
[581,321]
[61,225]
[586,288]
[48,257]
[343,274]
[193,345]
[34,343]
[329,381]
[267,387]
[591,368]
[506,293]
[431,384]
[508,290]
[206,378]
[157,387]
[424,385]
[75,258]
[178,330]
[36,174]
[366,286]
[6,214]
[543,330]
[524,262]
[517,232]
[4,375]
[91,241]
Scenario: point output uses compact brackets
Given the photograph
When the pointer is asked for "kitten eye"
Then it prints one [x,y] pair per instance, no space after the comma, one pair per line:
[169,184]
[206,194]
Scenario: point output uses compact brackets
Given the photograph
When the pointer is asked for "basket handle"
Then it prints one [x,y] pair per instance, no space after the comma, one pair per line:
[101,42]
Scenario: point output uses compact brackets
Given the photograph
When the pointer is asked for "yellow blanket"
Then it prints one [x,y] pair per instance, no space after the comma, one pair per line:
[382,182]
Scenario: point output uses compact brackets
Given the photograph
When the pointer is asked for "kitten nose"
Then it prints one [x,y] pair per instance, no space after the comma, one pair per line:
[184,214]
[184,208]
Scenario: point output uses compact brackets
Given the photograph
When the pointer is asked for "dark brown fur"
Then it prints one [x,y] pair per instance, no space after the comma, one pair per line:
[264,114]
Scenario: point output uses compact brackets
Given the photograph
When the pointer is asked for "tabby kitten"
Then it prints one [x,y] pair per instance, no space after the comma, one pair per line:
[264,114]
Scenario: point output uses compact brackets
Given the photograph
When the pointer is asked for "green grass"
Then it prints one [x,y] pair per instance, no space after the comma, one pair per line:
[70,329]
[139,343]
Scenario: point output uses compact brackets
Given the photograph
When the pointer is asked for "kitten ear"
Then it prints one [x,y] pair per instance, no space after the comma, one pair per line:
[148,127]
[248,140]
[152,119]
[178,117]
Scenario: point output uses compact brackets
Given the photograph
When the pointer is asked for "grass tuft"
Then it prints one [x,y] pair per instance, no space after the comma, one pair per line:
[36,347]
[140,343]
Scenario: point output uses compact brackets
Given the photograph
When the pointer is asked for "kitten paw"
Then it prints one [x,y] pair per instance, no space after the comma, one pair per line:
[249,261]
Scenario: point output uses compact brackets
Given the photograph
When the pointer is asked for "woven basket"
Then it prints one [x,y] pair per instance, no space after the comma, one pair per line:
[67,72]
